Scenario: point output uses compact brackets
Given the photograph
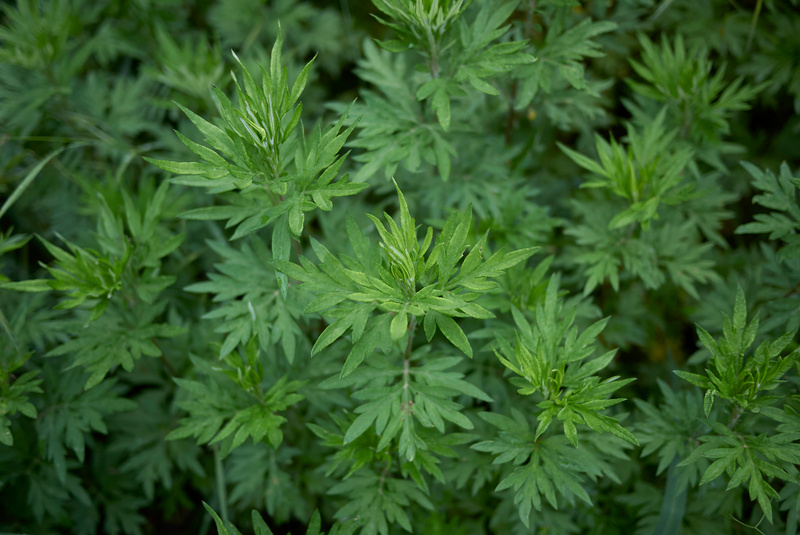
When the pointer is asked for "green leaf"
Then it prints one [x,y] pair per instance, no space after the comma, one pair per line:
[331,333]
[708,402]
[780,194]
[399,326]
[673,506]
[361,424]
[182,168]
[392,45]
[452,332]
[296,217]
[215,136]
[570,432]
[697,380]
[211,213]
[584,161]
[482,86]
[300,83]
[29,178]
[247,290]
[31,285]
[739,312]
[718,467]
[259,526]
[441,105]
[376,334]
[221,529]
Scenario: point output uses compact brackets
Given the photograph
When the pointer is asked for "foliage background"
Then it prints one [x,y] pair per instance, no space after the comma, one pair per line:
[147,304]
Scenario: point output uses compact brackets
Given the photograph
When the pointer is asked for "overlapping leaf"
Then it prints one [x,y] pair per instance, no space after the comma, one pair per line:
[553,362]
[435,288]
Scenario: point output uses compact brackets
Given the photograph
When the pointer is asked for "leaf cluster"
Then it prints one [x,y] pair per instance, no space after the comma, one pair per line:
[743,380]
[550,360]
[780,196]
[606,134]
[402,286]
[735,376]
[231,405]
[646,174]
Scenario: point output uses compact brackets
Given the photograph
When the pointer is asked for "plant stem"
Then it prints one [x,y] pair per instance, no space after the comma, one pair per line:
[735,415]
[298,247]
[170,368]
[529,14]
[220,481]
[434,54]
[753,25]
[407,365]
[511,117]
[412,326]
[383,478]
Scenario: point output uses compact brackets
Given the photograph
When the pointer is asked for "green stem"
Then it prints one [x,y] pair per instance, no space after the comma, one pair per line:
[529,14]
[412,326]
[407,401]
[383,478]
[511,117]
[735,415]
[753,24]
[220,477]
[433,45]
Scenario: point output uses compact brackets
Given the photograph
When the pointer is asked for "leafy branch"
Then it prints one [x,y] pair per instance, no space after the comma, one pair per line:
[230,406]
[553,362]
[742,381]
[399,283]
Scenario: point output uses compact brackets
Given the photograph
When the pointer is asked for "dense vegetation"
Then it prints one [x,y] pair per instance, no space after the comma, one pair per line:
[436,266]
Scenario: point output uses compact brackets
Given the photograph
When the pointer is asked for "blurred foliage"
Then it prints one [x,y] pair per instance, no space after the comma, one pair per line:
[579,198]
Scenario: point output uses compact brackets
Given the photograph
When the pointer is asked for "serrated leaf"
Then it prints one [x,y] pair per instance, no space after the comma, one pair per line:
[361,424]
[366,344]
[697,380]
[718,467]
[331,333]
[453,332]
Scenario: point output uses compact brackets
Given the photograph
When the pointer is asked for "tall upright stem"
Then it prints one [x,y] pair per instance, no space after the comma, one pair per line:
[735,415]
[412,326]
[407,357]
[220,483]
[434,51]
